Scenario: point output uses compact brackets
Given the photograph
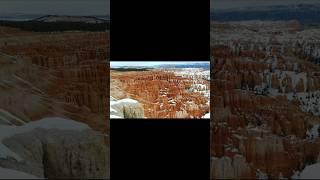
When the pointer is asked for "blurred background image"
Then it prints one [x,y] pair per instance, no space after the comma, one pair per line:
[54,89]
[265,58]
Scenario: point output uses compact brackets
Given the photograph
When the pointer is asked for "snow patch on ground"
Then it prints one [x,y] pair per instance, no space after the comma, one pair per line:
[206,116]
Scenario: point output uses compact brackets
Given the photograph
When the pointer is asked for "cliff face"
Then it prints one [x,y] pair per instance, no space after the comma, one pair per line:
[163,94]
[265,99]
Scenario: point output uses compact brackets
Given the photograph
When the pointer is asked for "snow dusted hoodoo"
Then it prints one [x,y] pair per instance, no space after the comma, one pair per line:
[125,109]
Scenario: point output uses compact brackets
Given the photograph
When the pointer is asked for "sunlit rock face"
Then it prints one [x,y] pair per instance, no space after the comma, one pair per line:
[125,109]
[266,98]
[165,93]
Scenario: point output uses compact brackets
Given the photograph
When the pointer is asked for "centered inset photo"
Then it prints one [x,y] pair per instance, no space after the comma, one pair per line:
[160,90]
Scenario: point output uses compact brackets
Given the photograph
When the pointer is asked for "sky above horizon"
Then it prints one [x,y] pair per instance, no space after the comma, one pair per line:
[150,63]
[227,4]
[58,7]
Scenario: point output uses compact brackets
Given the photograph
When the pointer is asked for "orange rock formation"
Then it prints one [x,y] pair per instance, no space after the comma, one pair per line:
[163,94]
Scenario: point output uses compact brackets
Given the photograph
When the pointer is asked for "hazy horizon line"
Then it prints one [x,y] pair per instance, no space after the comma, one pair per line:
[153,63]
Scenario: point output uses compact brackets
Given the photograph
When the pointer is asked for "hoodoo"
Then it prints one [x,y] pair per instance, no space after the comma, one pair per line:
[161,92]
[126,109]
